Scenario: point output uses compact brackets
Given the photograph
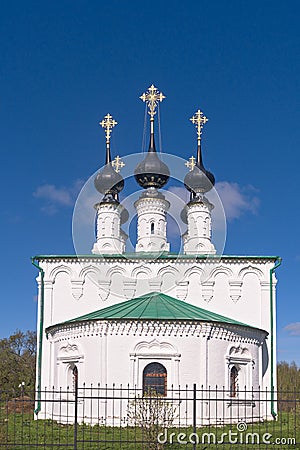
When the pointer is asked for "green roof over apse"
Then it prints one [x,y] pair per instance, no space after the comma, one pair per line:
[155,306]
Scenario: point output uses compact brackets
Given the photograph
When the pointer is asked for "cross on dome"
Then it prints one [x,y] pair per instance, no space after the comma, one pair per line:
[199,119]
[108,181]
[191,163]
[152,172]
[118,164]
[108,123]
[152,96]
[198,180]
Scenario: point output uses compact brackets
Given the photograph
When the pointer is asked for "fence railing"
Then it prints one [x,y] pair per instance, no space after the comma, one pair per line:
[121,417]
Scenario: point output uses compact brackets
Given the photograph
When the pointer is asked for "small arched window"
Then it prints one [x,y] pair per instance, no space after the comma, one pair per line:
[233,381]
[152,228]
[75,377]
[155,379]
[72,382]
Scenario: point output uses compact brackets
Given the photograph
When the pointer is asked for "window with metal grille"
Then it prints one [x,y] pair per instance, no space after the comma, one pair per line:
[155,379]
[74,377]
[233,381]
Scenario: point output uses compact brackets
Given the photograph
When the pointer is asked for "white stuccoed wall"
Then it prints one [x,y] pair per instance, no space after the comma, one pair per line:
[119,354]
[199,353]
[197,239]
[152,211]
[235,287]
[110,239]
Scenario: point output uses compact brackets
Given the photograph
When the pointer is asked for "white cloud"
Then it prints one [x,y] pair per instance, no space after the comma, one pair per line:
[54,197]
[237,199]
[293,328]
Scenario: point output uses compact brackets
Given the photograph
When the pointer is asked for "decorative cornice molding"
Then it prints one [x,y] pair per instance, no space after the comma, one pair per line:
[129,288]
[155,285]
[235,290]
[104,289]
[208,290]
[182,289]
[229,332]
[77,288]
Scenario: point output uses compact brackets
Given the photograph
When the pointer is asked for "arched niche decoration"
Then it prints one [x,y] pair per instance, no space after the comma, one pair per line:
[141,270]
[250,269]
[154,351]
[193,270]
[61,269]
[220,269]
[69,356]
[143,276]
[90,275]
[168,276]
[239,368]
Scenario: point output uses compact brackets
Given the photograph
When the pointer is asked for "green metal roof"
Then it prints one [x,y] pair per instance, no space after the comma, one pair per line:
[155,306]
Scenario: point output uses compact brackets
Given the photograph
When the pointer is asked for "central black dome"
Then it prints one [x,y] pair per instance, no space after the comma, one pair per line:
[152,172]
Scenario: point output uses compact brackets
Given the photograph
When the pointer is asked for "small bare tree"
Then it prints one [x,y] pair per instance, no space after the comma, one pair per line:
[151,413]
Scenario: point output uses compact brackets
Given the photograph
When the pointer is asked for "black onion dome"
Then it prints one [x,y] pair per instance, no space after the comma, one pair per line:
[124,215]
[152,172]
[183,215]
[199,180]
[108,181]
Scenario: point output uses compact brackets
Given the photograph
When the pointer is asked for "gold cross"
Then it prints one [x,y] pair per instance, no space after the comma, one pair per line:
[117,164]
[199,120]
[191,163]
[152,96]
[108,123]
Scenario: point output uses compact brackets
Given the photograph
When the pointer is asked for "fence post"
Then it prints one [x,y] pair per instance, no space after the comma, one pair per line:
[194,415]
[75,378]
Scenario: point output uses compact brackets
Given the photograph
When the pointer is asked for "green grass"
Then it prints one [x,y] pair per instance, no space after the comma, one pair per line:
[20,431]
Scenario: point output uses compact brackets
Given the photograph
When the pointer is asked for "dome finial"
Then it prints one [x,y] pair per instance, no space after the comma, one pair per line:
[152,96]
[199,119]
[198,180]
[108,123]
[152,172]
[191,163]
[108,181]
[118,164]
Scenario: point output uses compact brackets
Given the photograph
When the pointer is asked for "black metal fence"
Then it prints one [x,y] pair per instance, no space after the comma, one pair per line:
[119,417]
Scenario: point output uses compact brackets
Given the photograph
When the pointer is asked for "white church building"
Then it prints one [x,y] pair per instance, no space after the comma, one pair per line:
[152,319]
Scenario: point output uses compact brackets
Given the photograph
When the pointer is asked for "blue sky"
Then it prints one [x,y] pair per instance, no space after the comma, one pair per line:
[65,64]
